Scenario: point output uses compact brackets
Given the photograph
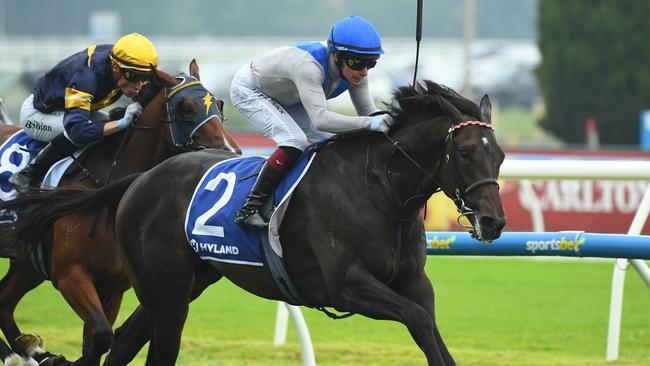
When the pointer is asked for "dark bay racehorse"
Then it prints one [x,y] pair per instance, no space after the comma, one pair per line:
[80,258]
[352,235]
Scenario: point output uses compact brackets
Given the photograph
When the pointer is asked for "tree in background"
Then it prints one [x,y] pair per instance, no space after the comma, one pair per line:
[594,63]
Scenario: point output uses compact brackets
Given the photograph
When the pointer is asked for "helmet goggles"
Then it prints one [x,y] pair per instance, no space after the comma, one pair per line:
[134,76]
[358,64]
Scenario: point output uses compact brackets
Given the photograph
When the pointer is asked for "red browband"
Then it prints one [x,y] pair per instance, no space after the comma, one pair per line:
[467,123]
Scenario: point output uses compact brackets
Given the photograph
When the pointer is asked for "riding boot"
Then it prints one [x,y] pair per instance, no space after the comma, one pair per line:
[249,215]
[55,150]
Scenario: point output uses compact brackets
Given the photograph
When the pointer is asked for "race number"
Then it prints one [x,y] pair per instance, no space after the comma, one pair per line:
[200,225]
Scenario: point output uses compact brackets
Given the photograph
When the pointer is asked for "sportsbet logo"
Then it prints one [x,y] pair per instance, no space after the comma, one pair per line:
[553,244]
[436,243]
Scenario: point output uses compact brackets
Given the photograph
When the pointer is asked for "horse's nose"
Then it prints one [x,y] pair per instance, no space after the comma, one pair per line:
[492,226]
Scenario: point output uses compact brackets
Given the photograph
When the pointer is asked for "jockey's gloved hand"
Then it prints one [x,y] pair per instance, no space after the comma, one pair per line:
[132,113]
[380,123]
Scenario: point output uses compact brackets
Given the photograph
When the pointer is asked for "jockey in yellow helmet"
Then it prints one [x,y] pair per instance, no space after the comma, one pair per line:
[64,107]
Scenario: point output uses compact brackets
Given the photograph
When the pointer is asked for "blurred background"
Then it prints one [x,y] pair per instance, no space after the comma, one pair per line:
[567,79]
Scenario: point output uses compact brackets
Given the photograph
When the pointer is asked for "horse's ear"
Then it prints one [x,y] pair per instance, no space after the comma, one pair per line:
[449,109]
[194,69]
[486,109]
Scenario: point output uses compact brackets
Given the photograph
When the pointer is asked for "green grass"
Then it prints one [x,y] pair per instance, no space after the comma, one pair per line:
[491,311]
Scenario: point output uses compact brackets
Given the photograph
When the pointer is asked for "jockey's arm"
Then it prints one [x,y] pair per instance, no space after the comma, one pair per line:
[361,99]
[309,84]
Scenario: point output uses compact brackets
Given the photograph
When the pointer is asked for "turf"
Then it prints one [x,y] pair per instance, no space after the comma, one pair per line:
[491,311]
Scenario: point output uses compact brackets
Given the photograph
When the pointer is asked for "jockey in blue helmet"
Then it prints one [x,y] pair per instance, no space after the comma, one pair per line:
[356,41]
[284,93]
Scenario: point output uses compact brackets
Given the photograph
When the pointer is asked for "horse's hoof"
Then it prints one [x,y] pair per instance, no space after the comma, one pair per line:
[29,362]
[13,360]
[30,343]
[54,360]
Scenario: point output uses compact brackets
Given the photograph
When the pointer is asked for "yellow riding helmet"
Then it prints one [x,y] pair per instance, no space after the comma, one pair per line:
[134,51]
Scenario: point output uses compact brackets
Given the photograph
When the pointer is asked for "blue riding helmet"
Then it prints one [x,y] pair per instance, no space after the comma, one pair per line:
[357,35]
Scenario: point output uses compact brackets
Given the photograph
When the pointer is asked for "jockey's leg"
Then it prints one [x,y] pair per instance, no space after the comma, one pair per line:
[55,150]
[267,180]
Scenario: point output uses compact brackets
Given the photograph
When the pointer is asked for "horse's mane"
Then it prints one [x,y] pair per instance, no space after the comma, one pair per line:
[148,92]
[421,101]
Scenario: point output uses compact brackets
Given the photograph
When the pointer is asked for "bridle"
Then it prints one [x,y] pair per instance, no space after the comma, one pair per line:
[172,98]
[460,192]
[187,145]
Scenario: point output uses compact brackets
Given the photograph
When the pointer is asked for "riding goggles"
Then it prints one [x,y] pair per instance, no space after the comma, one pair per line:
[358,64]
[135,76]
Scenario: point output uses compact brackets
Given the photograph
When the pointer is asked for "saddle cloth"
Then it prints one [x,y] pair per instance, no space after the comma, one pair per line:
[209,222]
[15,153]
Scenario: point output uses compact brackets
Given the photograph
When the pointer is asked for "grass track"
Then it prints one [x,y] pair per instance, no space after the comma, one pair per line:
[491,311]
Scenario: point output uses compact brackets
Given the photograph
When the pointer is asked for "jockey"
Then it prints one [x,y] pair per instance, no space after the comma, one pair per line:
[64,106]
[283,94]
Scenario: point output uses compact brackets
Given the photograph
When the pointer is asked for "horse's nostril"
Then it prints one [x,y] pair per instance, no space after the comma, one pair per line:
[491,223]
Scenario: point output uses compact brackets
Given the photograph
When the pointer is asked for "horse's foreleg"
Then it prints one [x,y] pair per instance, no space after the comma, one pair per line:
[364,294]
[78,289]
[19,280]
[420,291]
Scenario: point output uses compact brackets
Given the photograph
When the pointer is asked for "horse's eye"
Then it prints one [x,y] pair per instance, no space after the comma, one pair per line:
[464,152]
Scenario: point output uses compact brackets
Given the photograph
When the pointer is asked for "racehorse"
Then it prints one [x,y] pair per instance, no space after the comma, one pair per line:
[84,266]
[362,247]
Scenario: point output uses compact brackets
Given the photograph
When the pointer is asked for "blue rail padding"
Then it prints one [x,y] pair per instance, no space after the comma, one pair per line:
[561,243]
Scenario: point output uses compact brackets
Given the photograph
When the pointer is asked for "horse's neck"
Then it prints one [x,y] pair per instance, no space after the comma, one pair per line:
[376,167]
[417,154]
[148,147]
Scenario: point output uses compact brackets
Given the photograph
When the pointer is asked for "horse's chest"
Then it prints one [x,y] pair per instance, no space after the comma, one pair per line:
[392,262]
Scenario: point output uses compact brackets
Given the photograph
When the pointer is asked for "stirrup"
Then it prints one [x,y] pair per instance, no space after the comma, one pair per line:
[20,181]
[251,218]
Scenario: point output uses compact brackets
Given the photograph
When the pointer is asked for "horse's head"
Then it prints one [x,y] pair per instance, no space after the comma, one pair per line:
[451,139]
[193,114]
[470,167]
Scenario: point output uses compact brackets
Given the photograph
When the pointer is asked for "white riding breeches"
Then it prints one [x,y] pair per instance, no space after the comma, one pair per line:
[287,126]
[46,126]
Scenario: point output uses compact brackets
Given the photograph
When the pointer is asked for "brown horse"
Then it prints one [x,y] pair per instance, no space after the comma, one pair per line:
[352,236]
[85,266]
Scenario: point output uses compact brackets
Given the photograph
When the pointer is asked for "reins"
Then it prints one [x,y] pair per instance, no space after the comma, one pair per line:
[160,132]
[459,192]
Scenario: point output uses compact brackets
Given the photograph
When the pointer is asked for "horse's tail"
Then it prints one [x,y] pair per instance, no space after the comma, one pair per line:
[40,208]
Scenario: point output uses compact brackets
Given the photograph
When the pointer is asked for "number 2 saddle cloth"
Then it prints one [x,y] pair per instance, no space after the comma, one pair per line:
[209,221]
